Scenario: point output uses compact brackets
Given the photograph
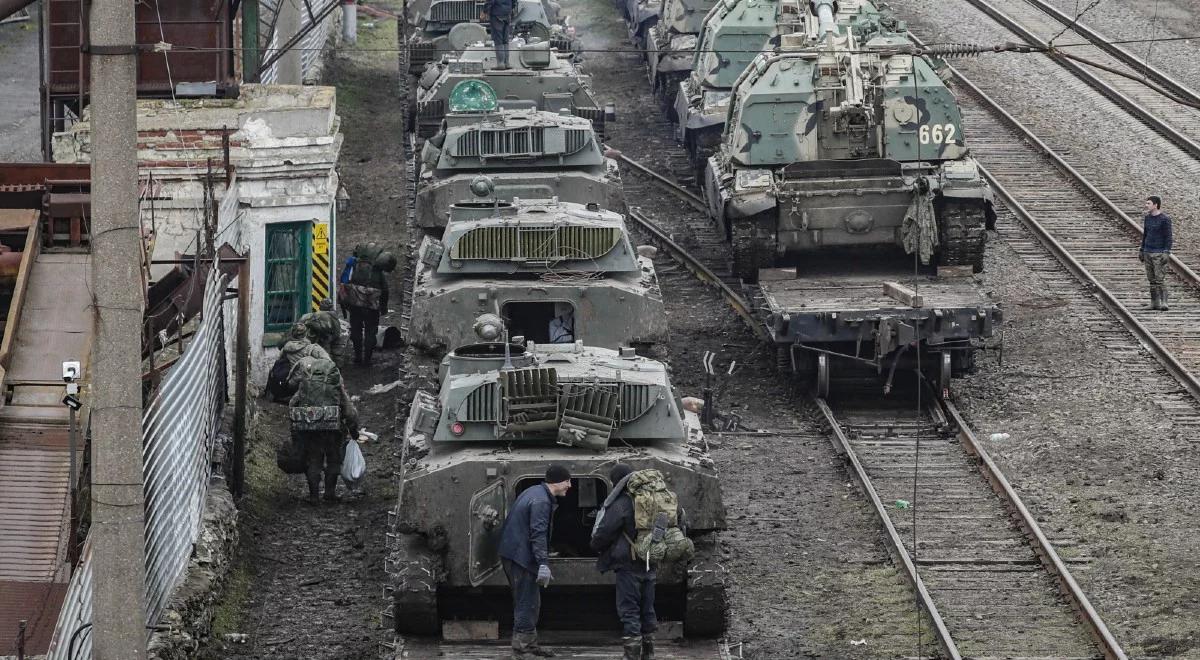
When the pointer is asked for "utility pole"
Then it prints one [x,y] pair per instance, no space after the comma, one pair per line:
[118,511]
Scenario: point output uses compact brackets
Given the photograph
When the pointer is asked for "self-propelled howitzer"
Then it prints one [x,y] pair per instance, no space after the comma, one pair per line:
[501,415]
[547,270]
[670,44]
[840,144]
[526,153]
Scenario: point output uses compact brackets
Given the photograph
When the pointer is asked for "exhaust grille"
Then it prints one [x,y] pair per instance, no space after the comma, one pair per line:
[526,141]
[577,138]
[530,399]
[561,243]
[480,405]
[635,401]
[454,11]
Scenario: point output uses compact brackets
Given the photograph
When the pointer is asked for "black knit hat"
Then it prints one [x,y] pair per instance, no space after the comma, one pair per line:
[619,472]
[556,474]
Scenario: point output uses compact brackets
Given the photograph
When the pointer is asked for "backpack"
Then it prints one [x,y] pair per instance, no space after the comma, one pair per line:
[364,266]
[656,517]
[277,380]
[315,405]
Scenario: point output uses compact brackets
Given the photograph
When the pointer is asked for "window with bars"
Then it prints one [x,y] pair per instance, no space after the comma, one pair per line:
[288,277]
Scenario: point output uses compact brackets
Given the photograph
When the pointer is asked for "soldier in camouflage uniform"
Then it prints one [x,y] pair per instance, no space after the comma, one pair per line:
[325,328]
[364,291]
[322,416]
[297,347]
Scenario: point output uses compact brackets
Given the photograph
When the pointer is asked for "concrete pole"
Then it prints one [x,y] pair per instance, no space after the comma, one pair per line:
[118,513]
[349,22]
[291,67]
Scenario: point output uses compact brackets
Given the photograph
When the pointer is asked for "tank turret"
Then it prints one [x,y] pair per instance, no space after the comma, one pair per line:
[551,271]
[670,45]
[540,79]
[833,142]
[444,27]
[527,153]
[501,415]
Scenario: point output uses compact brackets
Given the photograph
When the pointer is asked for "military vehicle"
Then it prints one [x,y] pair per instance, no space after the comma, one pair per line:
[841,144]
[526,153]
[670,46]
[449,26]
[640,16]
[539,79]
[503,413]
[526,265]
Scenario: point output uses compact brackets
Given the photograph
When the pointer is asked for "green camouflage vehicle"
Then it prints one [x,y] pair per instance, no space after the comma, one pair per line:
[546,270]
[671,43]
[539,79]
[640,16]
[447,27]
[837,143]
[526,153]
[502,414]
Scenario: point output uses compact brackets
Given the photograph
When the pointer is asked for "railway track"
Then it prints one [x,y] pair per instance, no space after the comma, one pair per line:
[1150,95]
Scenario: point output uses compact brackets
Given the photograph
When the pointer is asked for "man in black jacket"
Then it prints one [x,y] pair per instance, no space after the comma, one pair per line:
[611,538]
[498,14]
[525,556]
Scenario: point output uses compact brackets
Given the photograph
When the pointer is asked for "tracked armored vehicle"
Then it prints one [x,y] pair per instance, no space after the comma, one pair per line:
[528,265]
[526,153]
[640,16]
[539,79]
[447,27]
[500,417]
[840,144]
[671,43]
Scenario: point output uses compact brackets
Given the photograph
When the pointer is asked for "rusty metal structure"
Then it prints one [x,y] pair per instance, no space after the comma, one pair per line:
[198,62]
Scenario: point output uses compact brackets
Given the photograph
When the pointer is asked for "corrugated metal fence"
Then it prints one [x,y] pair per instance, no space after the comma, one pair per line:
[311,45]
[179,428]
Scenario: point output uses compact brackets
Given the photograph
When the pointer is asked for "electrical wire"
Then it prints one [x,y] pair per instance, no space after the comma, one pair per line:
[1074,21]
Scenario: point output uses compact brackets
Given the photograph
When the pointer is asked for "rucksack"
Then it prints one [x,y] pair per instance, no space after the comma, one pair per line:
[364,266]
[656,517]
[316,404]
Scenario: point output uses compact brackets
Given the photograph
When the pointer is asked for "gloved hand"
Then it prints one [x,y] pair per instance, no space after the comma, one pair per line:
[1141,256]
[544,576]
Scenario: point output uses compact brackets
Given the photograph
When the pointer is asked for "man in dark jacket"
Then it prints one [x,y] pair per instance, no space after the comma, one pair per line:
[611,538]
[1156,250]
[525,555]
[498,14]
[365,293]
[320,391]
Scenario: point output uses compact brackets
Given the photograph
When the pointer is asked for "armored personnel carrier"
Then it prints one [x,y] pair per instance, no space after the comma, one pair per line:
[671,43]
[841,144]
[640,16]
[539,79]
[503,413]
[546,270]
[526,153]
[450,26]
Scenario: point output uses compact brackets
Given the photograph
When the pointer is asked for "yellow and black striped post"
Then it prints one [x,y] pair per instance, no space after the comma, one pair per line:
[320,263]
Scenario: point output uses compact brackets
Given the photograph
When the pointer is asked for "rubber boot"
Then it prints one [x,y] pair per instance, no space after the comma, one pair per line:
[314,489]
[1162,298]
[358,355]
[331,487]
[647,647]
[367,355]
[1154,298]
[633,648]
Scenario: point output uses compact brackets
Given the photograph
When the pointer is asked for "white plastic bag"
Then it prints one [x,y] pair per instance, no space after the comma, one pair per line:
[354,466]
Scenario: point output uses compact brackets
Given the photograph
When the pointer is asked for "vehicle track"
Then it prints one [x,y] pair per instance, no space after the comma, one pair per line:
[1036,21]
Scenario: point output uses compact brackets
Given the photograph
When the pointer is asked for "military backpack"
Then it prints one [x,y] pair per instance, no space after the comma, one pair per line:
[656,517]
[316,404]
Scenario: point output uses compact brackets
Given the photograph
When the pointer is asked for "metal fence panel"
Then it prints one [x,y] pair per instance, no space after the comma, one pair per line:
[311,44]
[179,429]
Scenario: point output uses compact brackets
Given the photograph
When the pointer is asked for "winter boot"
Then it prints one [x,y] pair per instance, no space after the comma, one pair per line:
[1162,298]
[520,646]
[647,647]
[534,650]
[367,355]
[314,490]
[331,487]
[1154,297]
[633,648]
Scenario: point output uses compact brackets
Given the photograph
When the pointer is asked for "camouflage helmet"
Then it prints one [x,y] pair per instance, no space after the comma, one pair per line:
[299,330]
[325,305]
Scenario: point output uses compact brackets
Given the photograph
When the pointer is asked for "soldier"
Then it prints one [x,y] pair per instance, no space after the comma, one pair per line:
[322,415]
[1155,252]
[611,539]
[365,292]
[498,14]
[562,326]
[297,347]
[525,555]
[324,328]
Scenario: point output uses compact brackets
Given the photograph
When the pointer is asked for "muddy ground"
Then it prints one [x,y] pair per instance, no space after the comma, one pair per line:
[309,580]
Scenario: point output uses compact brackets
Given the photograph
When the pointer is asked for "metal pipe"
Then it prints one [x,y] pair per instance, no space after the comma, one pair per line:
[250,53]
[825,22]
[350,22]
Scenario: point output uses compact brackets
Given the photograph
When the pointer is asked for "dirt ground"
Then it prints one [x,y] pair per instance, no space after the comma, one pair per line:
[309,581]
[20,139]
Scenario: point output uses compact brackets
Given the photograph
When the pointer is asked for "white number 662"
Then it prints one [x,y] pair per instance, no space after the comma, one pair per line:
[938,133]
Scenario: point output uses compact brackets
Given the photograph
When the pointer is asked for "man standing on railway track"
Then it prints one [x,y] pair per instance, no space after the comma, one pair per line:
[525,556]
[1156,250]
[611,538]
[498,14]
